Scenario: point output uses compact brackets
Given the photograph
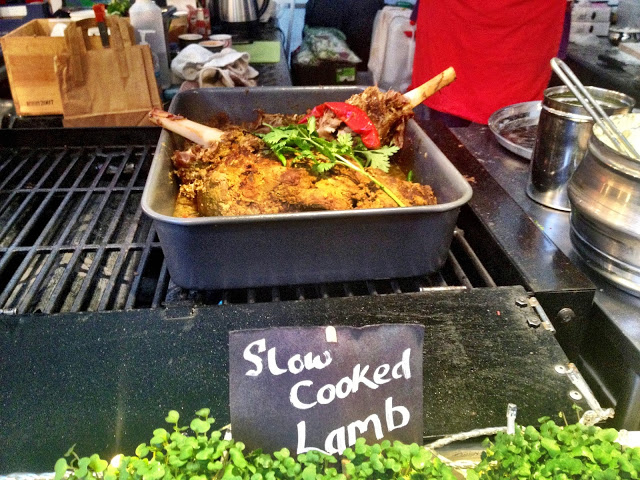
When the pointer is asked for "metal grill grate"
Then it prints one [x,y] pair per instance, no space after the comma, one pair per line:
[73,238]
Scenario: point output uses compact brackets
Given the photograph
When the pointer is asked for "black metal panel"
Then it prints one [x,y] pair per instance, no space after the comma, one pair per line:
[538,261]
[514,249]
[105,380]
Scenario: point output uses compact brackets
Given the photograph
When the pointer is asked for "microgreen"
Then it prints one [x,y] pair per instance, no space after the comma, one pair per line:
[199,453]
[300,142]
[387,460]
[572,451]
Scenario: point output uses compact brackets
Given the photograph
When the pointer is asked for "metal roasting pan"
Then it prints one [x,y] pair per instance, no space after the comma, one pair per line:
[307,247]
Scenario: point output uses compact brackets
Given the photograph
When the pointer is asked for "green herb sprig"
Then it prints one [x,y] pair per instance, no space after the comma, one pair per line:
[573,451]
[118,7]
[198,453]
[386,461]
[298,142]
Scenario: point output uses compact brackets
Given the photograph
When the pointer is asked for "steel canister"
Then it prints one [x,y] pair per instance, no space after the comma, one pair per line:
[562,137]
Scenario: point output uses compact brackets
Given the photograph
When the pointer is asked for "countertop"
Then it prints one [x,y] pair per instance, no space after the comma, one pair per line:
[622,328]
[270,74]
[597,62]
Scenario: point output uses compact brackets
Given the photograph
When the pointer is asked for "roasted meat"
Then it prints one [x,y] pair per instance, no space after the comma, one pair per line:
[238,177]
[230,171]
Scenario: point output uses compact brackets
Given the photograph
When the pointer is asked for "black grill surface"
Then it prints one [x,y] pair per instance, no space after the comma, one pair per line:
[73,236]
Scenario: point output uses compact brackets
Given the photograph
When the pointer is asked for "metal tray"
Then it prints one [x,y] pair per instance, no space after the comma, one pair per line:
[306,247]
[515,127]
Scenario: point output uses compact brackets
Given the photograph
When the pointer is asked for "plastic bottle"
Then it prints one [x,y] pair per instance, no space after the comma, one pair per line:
[146,19]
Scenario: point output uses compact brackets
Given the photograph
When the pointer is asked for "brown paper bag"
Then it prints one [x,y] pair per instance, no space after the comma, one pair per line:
[106,87]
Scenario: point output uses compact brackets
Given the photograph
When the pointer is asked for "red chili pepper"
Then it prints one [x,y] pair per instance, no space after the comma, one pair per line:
[355,118]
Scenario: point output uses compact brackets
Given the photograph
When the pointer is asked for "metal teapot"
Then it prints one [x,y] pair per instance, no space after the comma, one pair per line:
[237,15]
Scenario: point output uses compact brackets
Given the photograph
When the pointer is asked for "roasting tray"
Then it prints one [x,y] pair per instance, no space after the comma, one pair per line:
[307,247]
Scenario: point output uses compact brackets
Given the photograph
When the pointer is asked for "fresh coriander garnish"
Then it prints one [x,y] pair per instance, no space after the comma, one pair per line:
[299,142]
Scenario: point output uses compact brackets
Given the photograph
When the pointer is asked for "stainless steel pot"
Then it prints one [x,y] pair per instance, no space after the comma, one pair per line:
[604,193]
[561,141]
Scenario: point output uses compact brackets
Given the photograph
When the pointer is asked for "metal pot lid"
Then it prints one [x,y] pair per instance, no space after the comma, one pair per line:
[515,127]
[629,126]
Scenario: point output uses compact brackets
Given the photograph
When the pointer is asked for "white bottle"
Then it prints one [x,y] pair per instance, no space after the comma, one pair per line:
[146,19]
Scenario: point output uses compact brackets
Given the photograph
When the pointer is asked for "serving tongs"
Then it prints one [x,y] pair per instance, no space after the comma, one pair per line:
[595,110]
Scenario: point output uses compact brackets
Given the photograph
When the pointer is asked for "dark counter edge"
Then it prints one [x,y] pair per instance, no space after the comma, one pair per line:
[79,137]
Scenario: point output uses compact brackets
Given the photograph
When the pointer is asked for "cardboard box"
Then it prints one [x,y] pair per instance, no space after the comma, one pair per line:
[28,55]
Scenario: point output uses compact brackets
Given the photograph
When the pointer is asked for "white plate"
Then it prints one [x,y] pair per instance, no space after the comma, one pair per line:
[515,127]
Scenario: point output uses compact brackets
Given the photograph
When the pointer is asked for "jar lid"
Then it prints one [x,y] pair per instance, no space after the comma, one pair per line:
[629,126]
[561,100]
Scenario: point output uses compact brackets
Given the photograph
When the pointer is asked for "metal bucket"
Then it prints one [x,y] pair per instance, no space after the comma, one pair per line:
[605,209]
[561,141]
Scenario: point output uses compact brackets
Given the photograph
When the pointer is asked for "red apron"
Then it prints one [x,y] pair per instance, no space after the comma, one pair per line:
[500,50]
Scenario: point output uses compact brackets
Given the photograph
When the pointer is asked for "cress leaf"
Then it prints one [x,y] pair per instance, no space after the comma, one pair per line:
[97,464]
[60,468]
[203,412]
[172,417]
[607,435]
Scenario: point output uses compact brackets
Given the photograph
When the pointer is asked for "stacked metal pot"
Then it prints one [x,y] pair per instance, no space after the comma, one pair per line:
[604,192]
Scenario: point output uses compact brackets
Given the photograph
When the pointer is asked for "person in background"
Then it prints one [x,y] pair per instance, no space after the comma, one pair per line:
[500,50]
[354,18]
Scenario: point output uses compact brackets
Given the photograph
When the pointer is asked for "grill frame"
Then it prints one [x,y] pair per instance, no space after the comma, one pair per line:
[74,205]
[508,249]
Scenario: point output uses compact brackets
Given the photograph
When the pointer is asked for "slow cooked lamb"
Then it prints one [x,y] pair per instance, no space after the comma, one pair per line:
[237,170]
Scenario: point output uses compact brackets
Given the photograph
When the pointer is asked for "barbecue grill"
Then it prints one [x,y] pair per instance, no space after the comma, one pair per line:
[98,343]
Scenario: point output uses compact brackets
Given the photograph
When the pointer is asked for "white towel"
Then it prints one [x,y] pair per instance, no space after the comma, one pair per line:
[189,61]
[391,53]
[227,67]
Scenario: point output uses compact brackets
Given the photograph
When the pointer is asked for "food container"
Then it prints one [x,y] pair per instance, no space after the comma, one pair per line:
[515,127]
[212,45]
[225,38]
[306,247]
[605,209]
[563,133]
[188,38]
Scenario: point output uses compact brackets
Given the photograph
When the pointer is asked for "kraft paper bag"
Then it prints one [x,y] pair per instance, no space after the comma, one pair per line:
[106,87]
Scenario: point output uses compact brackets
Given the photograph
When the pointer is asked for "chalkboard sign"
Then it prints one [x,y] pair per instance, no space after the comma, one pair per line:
[320,388]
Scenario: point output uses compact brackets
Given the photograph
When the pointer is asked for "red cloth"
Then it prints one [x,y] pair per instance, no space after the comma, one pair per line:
[500,50]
